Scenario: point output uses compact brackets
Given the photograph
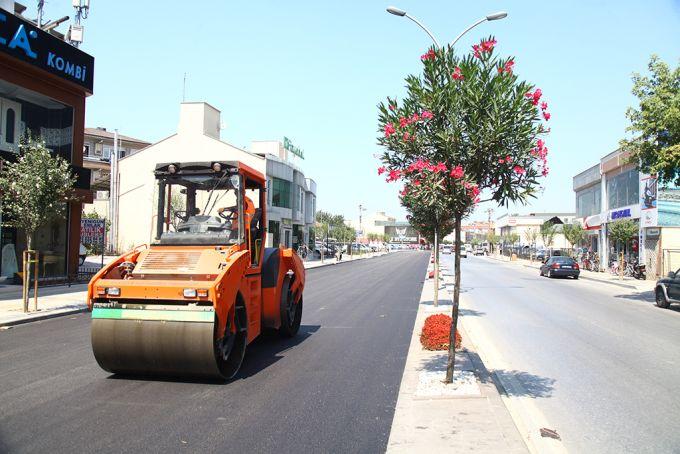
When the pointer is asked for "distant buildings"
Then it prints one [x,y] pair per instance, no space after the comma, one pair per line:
[521,224]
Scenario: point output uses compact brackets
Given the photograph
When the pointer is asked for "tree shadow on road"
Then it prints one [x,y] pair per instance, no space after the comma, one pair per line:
[534,386]
[647,296]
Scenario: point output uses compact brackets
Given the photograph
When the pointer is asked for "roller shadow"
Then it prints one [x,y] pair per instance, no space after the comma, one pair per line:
[267,349]
[264,351]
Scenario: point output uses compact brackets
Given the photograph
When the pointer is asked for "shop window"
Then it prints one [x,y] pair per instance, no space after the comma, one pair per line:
[623,189]
[26,112]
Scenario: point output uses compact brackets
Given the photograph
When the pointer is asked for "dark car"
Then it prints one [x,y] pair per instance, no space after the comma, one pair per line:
[668,289]
[560,266]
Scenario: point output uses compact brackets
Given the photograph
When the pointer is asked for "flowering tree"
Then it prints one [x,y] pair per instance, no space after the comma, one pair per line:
[474,118]
[431,194]
[34,191]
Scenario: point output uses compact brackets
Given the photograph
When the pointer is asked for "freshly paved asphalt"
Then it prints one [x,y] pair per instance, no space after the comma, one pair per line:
[601,362]
[333,388]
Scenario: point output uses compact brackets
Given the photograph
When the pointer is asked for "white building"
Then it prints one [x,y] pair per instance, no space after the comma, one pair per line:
[291,200]
[520,224]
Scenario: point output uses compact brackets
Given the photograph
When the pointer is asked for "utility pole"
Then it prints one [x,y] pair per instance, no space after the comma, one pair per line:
[113,195]
[489,212]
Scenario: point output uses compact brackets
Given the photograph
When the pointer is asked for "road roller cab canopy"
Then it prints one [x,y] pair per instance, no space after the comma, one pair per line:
[201,203]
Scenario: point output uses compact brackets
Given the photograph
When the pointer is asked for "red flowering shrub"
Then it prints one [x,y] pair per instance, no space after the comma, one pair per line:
[435,333]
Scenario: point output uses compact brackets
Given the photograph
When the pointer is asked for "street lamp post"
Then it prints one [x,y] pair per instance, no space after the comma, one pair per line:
[490,17]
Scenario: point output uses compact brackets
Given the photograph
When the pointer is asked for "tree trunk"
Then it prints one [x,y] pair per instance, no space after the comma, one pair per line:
[436,268]
[454,310]
[27,271]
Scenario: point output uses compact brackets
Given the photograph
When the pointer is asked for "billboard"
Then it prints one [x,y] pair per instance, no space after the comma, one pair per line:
[649,213]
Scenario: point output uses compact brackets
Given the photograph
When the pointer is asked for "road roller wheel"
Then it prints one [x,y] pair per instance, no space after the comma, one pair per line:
[291,312]
[230,350]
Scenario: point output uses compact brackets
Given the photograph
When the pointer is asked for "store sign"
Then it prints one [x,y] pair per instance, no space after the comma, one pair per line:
[649,213]
[21,39]
[619,214]
[654,232]
[92,231]
[288,145]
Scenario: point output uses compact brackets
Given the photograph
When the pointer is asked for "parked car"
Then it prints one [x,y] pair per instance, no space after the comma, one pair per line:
[543,255]
[468,247]
[447,249]
[560,266]
[463,253]
[667,289]
[479,250]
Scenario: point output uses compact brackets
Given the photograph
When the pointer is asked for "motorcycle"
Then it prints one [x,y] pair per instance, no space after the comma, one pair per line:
[639,271]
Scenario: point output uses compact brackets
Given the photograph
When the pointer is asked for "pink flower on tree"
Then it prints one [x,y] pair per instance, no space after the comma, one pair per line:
[508,159]
[507,67]
[537,96]
[457,74]
[429,55]
[381,170]
[544,105]
[501,161]
[426,115]
[546,115]
[393,175]
[414,118]
[389,129]
[487,46]
[392,107]
[457,172]
[540,144]
[407,136]
[518,170]
[403,122]
[441,167]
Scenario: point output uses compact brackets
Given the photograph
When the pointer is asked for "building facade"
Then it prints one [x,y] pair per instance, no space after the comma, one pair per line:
[521,224]
[98,145]
[613,190]
[291,196]
[44,82]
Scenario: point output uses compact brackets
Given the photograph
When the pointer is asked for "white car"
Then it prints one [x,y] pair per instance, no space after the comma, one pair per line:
[463,252]
[447,249]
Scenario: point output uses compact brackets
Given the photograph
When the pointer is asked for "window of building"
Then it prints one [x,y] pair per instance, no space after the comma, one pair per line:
[588,201]
[280,193]
[623,189]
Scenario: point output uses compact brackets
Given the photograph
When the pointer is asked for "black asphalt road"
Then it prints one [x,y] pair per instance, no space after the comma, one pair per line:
[331,389]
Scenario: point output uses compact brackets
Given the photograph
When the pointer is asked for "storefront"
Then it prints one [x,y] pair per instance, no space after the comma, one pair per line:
[44,82]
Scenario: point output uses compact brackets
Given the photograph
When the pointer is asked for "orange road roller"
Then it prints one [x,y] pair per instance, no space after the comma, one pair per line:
[189,304]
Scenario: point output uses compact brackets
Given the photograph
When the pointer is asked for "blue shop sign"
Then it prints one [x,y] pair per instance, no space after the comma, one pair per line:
[21,39]
[620,214]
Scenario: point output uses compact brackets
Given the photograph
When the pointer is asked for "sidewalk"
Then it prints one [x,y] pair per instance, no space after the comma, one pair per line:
[64,300]
[605,277]
[468,415]
[52,302]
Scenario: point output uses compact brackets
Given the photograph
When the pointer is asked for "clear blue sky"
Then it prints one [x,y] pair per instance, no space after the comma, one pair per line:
[315,70]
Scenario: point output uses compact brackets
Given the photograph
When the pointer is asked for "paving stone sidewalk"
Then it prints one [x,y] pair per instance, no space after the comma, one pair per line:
[428,418]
